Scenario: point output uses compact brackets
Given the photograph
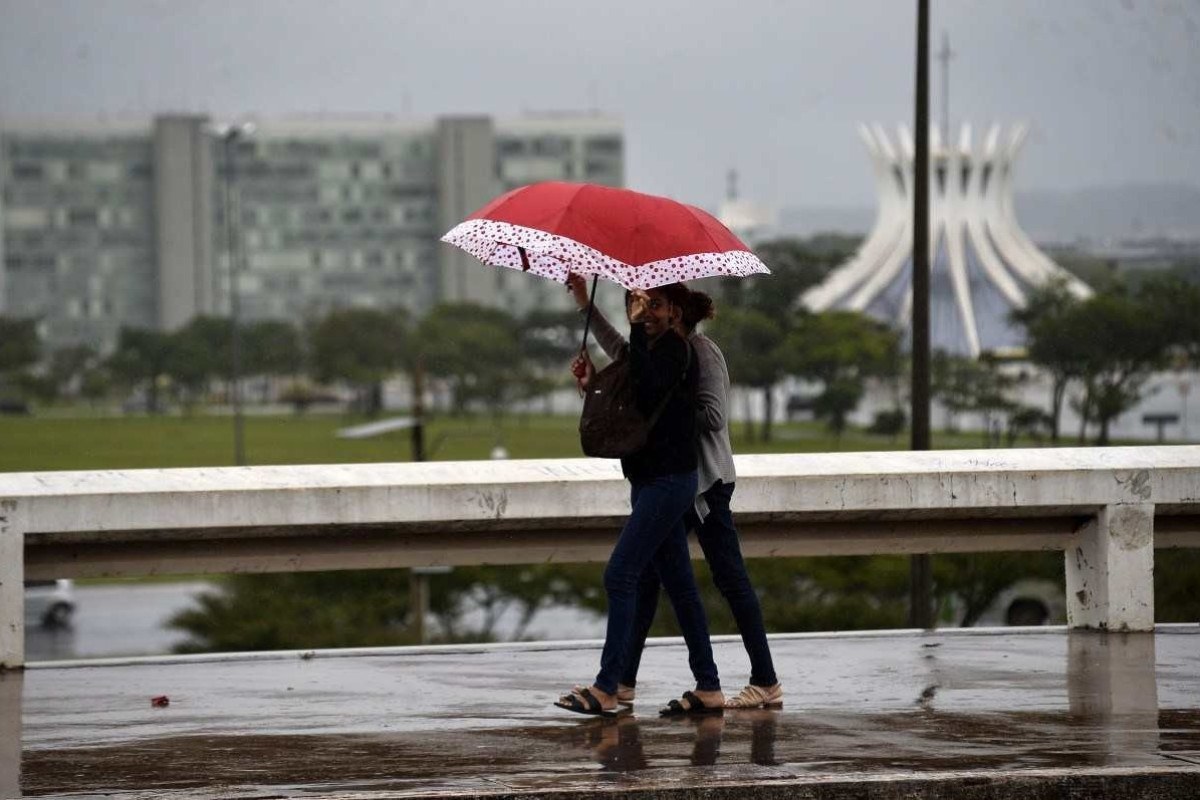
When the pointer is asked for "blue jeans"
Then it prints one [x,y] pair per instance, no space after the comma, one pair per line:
[654,538]
[719,541]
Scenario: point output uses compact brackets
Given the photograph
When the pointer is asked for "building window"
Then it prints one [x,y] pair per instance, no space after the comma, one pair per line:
[28,172]
[83,217]
[604,146]
[554,146]
[507,147]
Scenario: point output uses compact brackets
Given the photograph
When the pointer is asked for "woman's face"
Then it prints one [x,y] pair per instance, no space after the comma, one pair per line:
[654,311]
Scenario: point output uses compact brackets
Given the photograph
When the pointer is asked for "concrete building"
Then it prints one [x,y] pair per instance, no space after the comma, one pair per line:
[982,265]
[105,224]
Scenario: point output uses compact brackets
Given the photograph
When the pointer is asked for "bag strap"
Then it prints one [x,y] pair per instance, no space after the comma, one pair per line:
[662,404]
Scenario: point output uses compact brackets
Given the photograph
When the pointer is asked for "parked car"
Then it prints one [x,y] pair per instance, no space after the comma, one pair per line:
[49,604]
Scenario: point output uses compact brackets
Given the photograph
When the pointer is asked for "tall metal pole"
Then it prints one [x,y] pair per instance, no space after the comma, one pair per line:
[235,335]
[920,611]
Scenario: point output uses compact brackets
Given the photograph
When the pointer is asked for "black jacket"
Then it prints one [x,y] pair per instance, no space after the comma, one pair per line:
[656,369]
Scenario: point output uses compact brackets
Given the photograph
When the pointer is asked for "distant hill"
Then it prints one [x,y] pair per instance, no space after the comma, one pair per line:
[1096,213]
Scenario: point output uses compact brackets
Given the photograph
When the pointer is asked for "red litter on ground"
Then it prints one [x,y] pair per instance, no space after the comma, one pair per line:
[162,701]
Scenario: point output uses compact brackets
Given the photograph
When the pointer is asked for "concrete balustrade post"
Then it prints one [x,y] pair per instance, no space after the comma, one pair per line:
[11,684]
[1110,571]
[12,585]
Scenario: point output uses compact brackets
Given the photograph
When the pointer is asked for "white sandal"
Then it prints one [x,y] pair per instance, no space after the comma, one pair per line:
[757,697]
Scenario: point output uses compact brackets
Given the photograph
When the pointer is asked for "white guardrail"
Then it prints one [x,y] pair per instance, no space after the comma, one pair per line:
[1107,509]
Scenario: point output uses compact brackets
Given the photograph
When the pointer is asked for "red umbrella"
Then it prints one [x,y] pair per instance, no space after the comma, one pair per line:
[637,240]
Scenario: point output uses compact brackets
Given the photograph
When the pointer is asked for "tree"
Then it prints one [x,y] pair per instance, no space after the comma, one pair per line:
[68,367]
[139,360]
[1173,300]
[196,354]
[272,348]
[548,341]
[478,350]
[361,346]
[1051,343]
[495,591]
[1120,343]
[841,349]
[837,401]
[760,310]
[751,342]
[299,610]
[19,346]
[95,384]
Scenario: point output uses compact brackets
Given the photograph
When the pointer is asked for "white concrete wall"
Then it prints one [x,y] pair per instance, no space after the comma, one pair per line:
[1100,506]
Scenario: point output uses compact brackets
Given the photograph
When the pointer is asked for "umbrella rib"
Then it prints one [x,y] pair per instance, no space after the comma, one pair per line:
[708,233]
[565,206]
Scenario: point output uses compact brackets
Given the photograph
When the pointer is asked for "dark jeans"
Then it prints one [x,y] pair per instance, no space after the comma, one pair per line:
[719,541]
[655,539]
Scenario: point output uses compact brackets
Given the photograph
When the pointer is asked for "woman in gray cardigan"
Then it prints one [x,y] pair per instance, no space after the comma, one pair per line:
[711,519]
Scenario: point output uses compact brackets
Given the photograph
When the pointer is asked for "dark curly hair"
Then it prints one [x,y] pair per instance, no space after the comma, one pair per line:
[698,307]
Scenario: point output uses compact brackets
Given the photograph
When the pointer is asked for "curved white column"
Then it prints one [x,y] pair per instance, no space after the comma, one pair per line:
[970,207]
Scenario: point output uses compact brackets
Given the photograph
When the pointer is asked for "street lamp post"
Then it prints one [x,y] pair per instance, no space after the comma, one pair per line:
[229,137]
[920,612]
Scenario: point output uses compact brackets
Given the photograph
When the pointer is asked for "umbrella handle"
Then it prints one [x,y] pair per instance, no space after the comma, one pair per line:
[587,322]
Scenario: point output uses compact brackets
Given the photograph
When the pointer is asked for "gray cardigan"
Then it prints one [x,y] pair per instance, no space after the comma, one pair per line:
[714,453]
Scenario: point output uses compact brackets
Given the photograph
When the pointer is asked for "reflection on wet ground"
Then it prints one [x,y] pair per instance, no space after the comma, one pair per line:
[599,749]
[470,721]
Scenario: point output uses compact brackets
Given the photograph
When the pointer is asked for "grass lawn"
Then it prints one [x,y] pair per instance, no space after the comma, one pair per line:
[89,442]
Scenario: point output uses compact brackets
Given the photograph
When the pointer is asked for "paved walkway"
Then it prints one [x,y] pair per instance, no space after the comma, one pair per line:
[979,713]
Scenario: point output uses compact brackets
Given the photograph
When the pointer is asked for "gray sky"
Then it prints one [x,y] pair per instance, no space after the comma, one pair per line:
[774,88]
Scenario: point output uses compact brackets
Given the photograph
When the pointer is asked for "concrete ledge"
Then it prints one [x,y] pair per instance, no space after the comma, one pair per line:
[1100,507]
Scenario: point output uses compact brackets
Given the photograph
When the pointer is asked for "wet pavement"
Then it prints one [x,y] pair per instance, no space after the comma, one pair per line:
[924,714]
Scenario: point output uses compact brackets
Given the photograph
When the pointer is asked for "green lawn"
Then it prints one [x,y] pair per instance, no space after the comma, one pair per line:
[89,442]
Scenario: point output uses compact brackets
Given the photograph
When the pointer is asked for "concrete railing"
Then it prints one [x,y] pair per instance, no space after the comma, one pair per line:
[1105,508]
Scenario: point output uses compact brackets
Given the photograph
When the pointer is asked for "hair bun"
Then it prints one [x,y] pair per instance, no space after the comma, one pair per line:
[699,307]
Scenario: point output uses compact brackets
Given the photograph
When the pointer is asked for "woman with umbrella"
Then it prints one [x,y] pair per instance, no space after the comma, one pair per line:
[647,243]
[711,517]
[662,477]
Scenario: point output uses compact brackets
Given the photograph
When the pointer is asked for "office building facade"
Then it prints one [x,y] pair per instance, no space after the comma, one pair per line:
[104,225]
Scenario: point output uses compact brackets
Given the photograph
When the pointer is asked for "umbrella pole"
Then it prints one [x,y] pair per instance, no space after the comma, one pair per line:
[587,322]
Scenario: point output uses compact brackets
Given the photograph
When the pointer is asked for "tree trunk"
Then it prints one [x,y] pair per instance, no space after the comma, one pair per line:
[1102,439]
[768,413]
[749,418]
[1085,413]
[1057,392]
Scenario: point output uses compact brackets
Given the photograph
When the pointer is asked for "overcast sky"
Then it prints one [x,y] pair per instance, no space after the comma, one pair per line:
[774,88]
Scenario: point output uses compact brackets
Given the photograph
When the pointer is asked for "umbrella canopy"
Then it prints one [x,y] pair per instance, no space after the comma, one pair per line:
[640,241]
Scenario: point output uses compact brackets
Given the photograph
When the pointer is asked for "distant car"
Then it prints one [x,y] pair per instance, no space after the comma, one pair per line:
[49,604]
[14,407]
[799,404]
